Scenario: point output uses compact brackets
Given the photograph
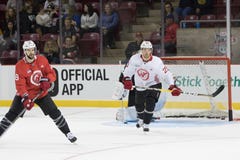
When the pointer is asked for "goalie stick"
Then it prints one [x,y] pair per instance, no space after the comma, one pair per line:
[214,94]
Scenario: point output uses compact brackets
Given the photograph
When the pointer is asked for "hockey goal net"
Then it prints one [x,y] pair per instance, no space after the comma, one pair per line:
[200,75]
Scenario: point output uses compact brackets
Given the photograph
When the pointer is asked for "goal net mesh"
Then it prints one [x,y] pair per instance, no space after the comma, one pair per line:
[203,75]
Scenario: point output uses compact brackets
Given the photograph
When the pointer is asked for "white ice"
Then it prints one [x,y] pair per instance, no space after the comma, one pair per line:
[100,137]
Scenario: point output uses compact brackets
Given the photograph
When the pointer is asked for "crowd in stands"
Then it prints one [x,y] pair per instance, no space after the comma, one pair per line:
[78,17]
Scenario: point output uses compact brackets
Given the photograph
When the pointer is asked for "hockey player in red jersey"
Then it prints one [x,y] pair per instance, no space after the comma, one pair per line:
[148,71]
[33,78]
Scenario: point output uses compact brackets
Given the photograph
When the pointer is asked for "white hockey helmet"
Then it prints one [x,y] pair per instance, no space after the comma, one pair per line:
[28,44]
[30,55]
[146,44]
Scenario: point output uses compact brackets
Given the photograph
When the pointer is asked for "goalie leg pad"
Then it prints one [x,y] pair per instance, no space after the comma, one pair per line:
[119,91]
[161,102]
[130,116]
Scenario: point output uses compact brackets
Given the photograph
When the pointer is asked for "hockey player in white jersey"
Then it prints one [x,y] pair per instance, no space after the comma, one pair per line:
[149,71]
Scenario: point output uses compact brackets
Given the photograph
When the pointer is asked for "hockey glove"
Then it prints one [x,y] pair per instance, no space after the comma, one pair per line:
[27,103]
[175,90]
[44,84]
[127,83]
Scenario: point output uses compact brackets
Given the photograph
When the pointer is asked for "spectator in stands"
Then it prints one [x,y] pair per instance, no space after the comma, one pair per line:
[27,19]
[170,38]
[2,42]
[47,20]
[69,30]
[10,35]
[51,51]
[134,46]
[67,5]
[203,7]
[10,15]
[89,20]
[184,8]
[14,3]
[54,3]
[70,50]
[110,22]
[75,15]
[169,9]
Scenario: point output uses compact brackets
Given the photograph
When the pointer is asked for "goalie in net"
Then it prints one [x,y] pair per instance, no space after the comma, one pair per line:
[206,100]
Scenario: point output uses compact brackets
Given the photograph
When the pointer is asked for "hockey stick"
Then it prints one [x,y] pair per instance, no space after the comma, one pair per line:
[214,94]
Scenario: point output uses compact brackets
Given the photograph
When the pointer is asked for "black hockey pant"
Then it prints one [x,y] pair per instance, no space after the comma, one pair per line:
[47,106]
[145,103]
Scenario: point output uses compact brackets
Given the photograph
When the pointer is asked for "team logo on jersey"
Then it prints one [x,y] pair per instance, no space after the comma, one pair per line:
[35,77]
[144,74]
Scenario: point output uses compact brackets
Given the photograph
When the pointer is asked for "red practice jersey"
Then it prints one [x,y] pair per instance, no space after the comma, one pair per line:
[28,75]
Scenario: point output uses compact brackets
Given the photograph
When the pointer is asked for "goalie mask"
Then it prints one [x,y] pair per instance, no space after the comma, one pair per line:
[29,49]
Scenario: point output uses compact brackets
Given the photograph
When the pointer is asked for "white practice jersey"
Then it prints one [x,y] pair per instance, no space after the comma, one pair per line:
[148,73]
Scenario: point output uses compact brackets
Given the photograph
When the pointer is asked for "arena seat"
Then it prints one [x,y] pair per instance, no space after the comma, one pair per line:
[188,20]
[31,36]
[155,37]
[114,5]
[79,7]
[133,9]
[89,45]
[208,17]
[96,7]
[48,36]
[9,57]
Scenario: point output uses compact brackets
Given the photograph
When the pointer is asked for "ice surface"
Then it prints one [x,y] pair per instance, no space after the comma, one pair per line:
[100,137]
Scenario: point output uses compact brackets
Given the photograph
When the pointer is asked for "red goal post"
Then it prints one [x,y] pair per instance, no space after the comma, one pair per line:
[201,75]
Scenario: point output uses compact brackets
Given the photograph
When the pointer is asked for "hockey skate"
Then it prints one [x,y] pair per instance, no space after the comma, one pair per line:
[71,137]
[139,123]
[145,127]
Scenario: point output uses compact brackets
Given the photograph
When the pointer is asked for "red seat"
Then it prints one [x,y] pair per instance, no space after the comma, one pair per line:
[3,7]
[155,37]
[222,17]
[125,16]
[92,35]
[49,36]
[2,11]
[3,1]
[96,7]
[89,45]
[188,20]
[31,36]
[79,7]
[114,5]
[208,17]
[132,6]
[9,57]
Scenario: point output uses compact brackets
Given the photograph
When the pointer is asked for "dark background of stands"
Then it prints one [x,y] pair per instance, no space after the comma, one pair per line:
[134,16]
